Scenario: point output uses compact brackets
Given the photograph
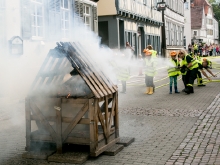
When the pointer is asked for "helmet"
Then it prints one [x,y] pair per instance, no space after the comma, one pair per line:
[147,52]
[204,59]
[173,53]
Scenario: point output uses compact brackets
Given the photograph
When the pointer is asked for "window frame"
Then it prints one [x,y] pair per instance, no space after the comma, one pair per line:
[34,21]
[64,28]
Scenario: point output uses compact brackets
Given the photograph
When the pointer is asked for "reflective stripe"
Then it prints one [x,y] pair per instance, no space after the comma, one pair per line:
[189,85]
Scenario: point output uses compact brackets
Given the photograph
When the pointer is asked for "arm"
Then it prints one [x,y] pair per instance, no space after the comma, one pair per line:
[211,72]
[204,73]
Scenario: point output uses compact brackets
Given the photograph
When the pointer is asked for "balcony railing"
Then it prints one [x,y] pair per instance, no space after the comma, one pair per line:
[139,9]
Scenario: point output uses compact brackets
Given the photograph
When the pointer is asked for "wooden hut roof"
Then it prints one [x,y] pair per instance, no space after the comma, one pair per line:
[72,58]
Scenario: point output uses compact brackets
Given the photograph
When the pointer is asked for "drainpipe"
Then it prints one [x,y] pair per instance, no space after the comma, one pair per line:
[163,33]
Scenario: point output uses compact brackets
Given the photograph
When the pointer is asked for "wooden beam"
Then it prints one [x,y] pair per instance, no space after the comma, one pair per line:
[106,119]
[101,119]
[116,117]
[75,120]
[28,123]
[92,129]
[59,126]
[44,121]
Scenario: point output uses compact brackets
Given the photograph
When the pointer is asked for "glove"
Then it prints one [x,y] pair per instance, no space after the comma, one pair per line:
[182,70]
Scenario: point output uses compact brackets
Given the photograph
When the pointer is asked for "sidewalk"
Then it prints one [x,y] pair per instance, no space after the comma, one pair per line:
[168,129]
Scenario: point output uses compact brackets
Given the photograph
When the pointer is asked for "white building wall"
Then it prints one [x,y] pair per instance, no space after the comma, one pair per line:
[13,25]
[187,25]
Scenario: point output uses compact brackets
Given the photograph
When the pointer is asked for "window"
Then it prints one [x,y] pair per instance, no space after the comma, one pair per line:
[195,33]
[65,18]
[37,18]
[209,32]
[87,15]
[186,5]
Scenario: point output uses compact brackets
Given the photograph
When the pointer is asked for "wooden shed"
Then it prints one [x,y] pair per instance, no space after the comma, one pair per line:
[72,101]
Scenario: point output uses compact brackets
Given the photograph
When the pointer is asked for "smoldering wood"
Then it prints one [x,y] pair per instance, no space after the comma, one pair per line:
[71,101]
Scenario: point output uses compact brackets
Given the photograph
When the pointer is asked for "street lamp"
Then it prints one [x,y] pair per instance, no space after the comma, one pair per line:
[161,6]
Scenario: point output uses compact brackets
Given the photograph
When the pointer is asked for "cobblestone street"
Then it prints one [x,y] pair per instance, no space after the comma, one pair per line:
[168,128]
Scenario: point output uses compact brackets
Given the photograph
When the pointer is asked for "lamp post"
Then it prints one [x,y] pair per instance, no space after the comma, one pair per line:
[161,6]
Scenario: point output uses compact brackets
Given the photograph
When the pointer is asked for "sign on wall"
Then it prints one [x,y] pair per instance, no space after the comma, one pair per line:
[16,45]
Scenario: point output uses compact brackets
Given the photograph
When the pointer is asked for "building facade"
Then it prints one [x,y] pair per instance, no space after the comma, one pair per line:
[134,21]
[37,22]
[187,24]
[205,27]
[174,25]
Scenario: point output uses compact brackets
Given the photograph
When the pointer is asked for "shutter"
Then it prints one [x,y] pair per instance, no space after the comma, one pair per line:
[95,18]
[78,6]
[26,19]
[54,20]
[81,10]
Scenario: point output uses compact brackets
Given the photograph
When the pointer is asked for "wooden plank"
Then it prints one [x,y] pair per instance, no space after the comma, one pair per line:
[55,70]
[111,113]
[101,136]
[64,119]
[75,120]
[94,83]
[82,121]
[41,138]
[48,118]
[85,78]
[89,84]
[106,119]
[75,101]
[91,74]
[101,119]
[44,121]
[96,120]
[28,123]
[103,107]
[88,73]
[38,75]
[106,83]
[59,126]
[105,147]
[116,117]
[78,140]
[92,125]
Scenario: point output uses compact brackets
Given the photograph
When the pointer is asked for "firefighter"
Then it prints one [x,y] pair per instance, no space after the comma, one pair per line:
[208,62]
[173,71]
[192,68]
[195,47]
[150,71]
[123,73]
[183,72]
[201,66]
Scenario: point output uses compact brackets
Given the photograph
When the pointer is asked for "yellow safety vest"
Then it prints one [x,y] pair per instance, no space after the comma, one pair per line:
[172,70]
[194,63]
[150,68]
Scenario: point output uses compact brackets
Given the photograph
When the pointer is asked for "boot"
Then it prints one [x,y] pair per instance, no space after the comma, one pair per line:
[147,90]
[170,89]
[151,90]
[187,90]
[176,90]
[191,90]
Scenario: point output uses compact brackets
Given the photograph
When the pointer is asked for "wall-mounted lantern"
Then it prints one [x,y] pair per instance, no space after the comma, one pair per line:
[16,45]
